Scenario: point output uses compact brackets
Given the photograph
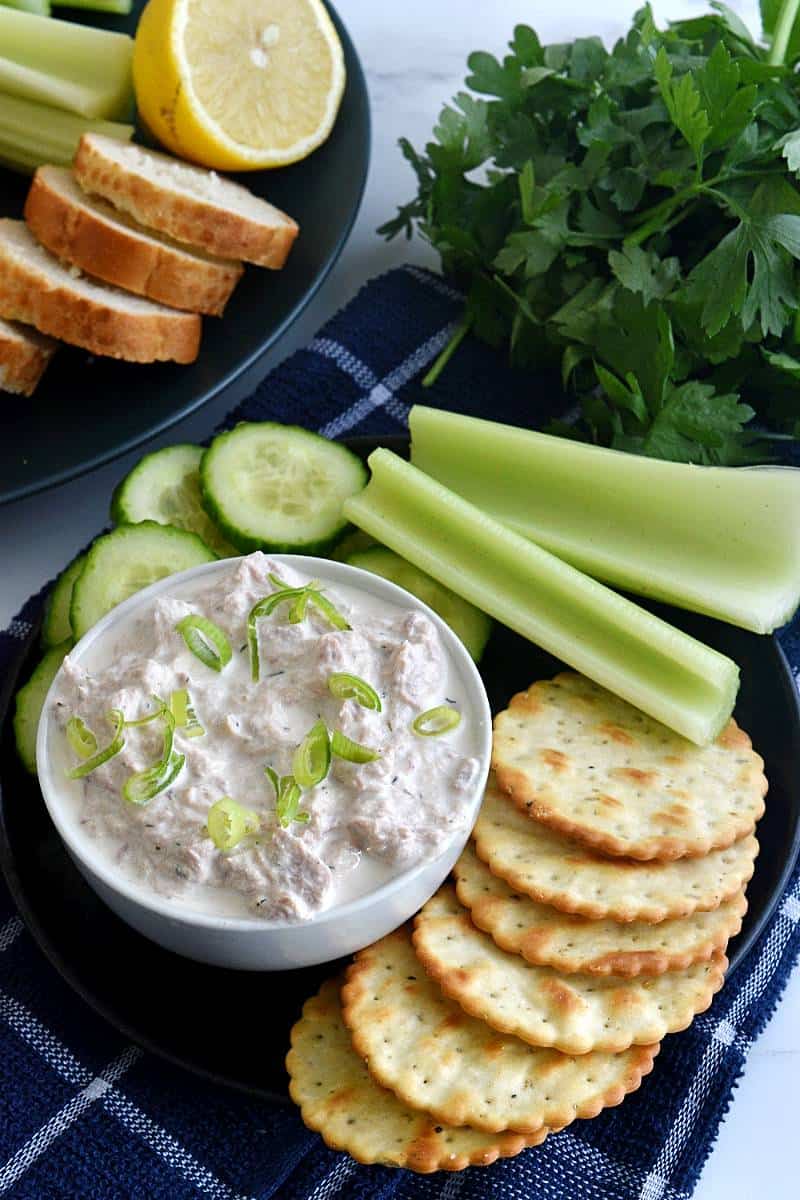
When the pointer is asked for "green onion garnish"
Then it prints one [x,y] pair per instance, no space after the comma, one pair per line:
[351,687]
[229,822]
[102,756]
[300,597]
[350,751]
[287,798]
[206,641]
[81,738]
[297,613]
[263,608]
[436,721]
[159,711]
[312,758]
[143,786]
[327,609]
[182,709]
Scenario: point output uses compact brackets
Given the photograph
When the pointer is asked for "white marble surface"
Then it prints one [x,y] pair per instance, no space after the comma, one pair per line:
[414,54]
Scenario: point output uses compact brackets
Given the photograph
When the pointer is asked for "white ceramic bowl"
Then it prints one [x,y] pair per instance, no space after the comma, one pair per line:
[248,943]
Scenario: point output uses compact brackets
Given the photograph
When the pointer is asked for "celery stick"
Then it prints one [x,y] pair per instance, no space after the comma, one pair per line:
[673,677]
[18,80]
[97,61]
[718,540]
[109,6]
[32,134]
[41,7]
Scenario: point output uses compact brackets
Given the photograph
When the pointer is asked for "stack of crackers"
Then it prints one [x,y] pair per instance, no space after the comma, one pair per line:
[588,918]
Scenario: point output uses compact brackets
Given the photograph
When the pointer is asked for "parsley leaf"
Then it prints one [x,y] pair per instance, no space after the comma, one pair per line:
[632,213]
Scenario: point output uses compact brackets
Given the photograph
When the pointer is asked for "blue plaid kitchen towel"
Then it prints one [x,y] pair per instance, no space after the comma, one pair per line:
[85,1115]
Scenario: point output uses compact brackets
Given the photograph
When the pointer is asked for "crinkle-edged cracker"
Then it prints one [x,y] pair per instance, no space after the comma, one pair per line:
[571,1013]
[338,1098]
[437,1058]
[552,869]
[591,766]
[547,937]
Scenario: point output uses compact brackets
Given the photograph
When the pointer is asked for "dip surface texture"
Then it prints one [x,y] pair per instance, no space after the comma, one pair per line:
[366,822]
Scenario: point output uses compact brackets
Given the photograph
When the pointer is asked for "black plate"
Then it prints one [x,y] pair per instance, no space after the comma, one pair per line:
[94,410]
[111,966]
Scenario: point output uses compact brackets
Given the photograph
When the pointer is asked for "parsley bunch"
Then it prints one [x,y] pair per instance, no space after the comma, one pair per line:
[632,218]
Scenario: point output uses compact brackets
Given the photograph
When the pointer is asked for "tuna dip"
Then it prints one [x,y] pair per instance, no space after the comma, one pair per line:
[262,743]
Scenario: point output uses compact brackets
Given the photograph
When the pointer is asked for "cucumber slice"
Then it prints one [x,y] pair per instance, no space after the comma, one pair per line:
[165,487]
[352,543]
[466,621]
[126,560]
[56,627]
[278,487]
[30,701]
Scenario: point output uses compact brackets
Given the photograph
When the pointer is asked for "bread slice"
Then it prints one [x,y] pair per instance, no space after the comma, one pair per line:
[187,203]
[37,289]
[24,355]
[90,234]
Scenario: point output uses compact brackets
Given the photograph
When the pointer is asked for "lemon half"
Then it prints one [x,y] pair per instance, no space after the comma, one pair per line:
[238,85]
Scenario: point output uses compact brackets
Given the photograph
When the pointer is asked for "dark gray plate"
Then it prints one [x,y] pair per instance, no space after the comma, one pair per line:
[88,411]
[112,967]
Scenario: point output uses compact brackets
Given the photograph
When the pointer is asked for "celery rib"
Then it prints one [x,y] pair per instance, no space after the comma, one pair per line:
[717,540]
[661,670]
[68,65]
[32,134]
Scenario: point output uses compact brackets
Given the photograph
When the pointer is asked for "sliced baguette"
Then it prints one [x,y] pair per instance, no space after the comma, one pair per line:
[90,234]
[187,203]
[24,355]
[37,289]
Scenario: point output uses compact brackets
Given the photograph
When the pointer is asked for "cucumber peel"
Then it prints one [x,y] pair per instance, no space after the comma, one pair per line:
[56,627]
[669,675]
[165,487]
[30,701]
[279,487]
[130,558]
[467,622]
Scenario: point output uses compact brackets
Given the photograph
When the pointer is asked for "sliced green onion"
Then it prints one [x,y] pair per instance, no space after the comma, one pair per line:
[206,641]
[327,609]
[182,709]
[350,751]
[229,822]
[287,798]
[264,608]
[142,787]
[436,721]
[159,712]
[352,687]
[297,613]
[81,738]
[109,751]
[312,758]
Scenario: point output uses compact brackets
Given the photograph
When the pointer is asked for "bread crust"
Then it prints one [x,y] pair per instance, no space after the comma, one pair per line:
[22,363]
[63,312]
[194,220]
[119,256]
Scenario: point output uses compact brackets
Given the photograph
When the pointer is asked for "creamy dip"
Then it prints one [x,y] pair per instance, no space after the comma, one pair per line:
[366,822]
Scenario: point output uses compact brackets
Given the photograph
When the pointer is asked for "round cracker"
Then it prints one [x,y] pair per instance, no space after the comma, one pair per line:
[338,1098]
[589,765]
[437,1058]
[547,937]
[554,870]
[571,1013]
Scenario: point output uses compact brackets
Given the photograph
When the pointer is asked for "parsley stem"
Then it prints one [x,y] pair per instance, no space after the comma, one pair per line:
[783,31]
[459,333]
